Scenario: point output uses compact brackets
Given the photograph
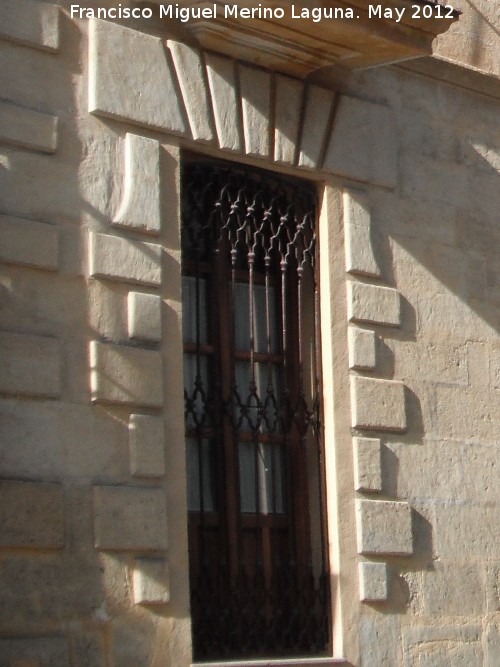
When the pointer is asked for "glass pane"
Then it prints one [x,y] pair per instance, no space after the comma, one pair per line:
[196,388]
[201,496]
[242,318]
[272,501]
[262,462]
[248,500]
[189,309]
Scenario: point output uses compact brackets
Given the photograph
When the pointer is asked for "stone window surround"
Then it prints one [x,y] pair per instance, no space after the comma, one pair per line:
[227,110]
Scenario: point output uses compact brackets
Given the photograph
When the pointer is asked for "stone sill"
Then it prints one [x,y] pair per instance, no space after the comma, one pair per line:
[281,662]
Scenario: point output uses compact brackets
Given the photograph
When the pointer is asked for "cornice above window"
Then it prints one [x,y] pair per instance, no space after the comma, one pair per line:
[300,37]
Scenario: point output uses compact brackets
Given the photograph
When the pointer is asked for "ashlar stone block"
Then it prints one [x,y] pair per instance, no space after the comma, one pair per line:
[373,584]
[128,375]
[191,75]
[130,518]
[384,527]
[31,515]
[359,253]
[28,242]
[367,464]
[363,142]
[47,651]
[144,316]
[123,259]
[287,118]
[140,207]
[140,87]
[373,303]
[151,581]
[362,349]
[32,23]
[316,121]
[377,404]
[146,439]
[255,102]
[222,82]
[25,128]
[29,365]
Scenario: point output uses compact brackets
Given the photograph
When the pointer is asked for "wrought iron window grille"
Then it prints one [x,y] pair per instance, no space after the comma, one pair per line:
[257,532]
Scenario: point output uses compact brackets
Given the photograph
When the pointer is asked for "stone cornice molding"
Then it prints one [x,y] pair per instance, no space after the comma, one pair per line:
[300,37]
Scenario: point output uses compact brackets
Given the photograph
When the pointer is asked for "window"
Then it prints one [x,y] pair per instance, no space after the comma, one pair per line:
[258,570]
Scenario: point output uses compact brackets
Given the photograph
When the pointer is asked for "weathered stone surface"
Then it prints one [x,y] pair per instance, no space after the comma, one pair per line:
[52,439]
[28,242]
[373,584]
[124,259]
[371,127]
[438,361]
[225,103]
[367,464]
[32,23]
[443,477]
[151,581]
[25,128]
[255,86]
[377,404]
[474,520]
[146,438]
[373,303]
[139,87]
[453,589]
[442,645]
[359,253]
[31,515]
[384,527]
[362,349]
[288,104]
[35,652]
[316,121]
[144,316]
[29,365]
[376,652]
[122,374]
[140,207]
[129,518]
[191,75]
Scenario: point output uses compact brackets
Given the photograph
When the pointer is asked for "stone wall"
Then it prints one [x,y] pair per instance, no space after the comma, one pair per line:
[93,548]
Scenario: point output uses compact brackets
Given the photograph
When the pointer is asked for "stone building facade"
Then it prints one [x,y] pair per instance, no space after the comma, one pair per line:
[97,118]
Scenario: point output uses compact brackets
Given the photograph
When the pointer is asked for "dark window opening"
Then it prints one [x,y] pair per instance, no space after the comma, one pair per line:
[257,537]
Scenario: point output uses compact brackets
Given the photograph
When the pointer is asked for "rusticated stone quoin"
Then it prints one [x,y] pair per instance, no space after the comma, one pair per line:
[151,581]
[35,24]
[140,207]
[130,518]
[362,349]
[373,584]
[122,374]
[367,464]
[377,405]
[146,438]
[384,527]
[117,258]
[360,257]
[373,304]
[29,243]
[25,128]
